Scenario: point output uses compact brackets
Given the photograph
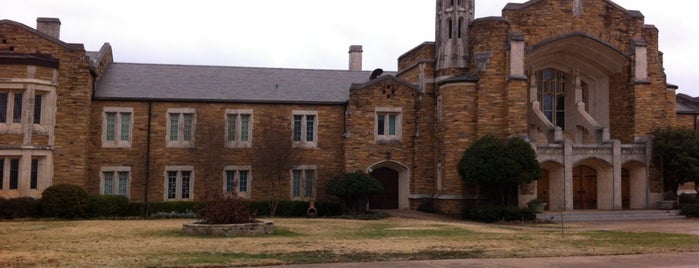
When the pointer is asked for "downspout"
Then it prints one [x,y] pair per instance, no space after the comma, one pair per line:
[147,188]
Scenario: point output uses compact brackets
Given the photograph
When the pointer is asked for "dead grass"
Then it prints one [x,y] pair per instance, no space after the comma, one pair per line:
[139,243]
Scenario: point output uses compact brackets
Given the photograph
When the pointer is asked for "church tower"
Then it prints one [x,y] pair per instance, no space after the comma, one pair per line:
[451,34]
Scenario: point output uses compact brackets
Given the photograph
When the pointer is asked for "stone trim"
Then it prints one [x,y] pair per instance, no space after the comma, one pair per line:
[178,191]
[387,138]
[44,180]
[302,183]
[304,121]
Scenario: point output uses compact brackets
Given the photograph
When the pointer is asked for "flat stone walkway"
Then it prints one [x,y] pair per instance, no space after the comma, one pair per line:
[676,260]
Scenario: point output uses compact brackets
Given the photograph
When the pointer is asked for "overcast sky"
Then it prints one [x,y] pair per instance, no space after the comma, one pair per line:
[302,33]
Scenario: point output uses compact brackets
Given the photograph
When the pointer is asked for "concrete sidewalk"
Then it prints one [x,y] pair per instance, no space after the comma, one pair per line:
[677,260]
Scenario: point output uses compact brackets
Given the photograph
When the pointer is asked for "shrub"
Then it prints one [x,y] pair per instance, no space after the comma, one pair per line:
[691,211]
[354,189]
[109,206]
[22,207]
[65,201]
[225,209]
[495,214]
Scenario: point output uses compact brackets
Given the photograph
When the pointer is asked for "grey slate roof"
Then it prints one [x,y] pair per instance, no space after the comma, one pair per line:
[131,81]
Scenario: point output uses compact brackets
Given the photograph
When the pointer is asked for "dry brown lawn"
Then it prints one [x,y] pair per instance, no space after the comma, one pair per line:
[139,243]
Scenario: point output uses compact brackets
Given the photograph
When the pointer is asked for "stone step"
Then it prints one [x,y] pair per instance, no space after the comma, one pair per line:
[620,215]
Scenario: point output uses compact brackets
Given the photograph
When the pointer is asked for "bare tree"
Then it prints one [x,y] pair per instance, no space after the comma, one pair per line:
[208,154]
[274,156]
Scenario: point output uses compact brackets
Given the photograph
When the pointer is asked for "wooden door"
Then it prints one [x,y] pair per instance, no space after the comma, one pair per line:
[584,188]
[625,189]
[389,198]
[542,187]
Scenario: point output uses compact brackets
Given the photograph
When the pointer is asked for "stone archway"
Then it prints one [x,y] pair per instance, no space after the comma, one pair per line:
[396,177]
[595,187]
[549,187]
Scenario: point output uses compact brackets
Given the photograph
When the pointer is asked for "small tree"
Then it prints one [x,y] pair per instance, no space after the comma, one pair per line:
[503,164]
[65,201]
[275,155]
[676,153]
[354,189]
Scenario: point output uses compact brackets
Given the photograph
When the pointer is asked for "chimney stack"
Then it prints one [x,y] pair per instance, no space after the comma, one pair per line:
[49,26]
[355,58]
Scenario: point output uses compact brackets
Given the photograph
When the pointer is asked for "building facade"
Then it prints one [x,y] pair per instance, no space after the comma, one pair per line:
[583,81]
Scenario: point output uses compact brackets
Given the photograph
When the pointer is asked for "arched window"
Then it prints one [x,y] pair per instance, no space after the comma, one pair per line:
[551,91]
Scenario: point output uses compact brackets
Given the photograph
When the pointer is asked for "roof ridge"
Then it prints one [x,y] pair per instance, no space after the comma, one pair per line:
[239,67]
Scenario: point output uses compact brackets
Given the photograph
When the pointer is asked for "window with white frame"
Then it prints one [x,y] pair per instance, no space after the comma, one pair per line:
[180,127]
[303,183]
[115,181]
[179,183]
[239,128]
[31,103]
[305,128]
[388,124]
[117,126]
[237,179]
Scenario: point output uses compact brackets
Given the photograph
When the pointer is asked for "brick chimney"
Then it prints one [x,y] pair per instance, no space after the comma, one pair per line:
[355,58]
[49,26]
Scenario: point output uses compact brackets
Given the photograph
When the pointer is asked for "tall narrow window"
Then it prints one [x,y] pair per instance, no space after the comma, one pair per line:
[181,127]
[3,107]
[172,184]
[459,28]
[297,127]
[239,128]
[108,187]
[125,126]
[14,174]
[305,128]
[551,89]
[174,126]
[230,180]
[123,183]
[117,124]
[34,176]
[243,184]
[37,108]
[111,126]
[2,172]
[17,110]
[451,28]
[303,182]
[188,122]
[186,177]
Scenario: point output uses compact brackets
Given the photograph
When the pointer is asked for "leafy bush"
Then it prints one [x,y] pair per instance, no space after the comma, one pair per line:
[495,214]
[65,201]
[22,207]
[354,189]
[691,211]
[225,209]
[109,206]
[689,199]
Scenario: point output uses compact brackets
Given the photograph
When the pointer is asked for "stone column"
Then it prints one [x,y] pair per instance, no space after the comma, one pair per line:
[616,175]
[568,175]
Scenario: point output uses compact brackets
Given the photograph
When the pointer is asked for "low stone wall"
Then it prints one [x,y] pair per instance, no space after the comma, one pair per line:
[243,229]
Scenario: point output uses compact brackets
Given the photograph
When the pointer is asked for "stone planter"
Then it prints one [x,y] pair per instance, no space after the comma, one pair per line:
[537,207]
[666,204]
[231,230]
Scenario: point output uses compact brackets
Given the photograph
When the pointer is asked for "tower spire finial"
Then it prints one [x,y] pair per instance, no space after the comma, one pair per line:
[451,33]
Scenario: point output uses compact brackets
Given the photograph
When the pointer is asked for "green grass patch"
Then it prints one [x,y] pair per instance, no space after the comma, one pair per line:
[382,230]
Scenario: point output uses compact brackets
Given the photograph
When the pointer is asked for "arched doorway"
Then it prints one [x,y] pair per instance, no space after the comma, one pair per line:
[389,180]
[584,188]
[633,185]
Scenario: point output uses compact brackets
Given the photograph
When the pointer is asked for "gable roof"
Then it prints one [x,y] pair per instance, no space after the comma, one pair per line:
[131,81]
[67,46]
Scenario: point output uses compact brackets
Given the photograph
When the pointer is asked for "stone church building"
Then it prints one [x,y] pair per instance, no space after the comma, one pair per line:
[583,81]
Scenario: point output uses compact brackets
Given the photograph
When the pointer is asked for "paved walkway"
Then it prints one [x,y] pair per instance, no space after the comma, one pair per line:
[676,260]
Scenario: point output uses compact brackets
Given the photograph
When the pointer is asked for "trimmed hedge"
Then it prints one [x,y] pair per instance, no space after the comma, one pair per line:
[110,206]
[65,201]
[496,214]
[691,211]
[22,207]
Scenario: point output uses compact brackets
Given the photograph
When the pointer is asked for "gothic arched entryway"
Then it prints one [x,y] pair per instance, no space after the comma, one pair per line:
[389,180]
